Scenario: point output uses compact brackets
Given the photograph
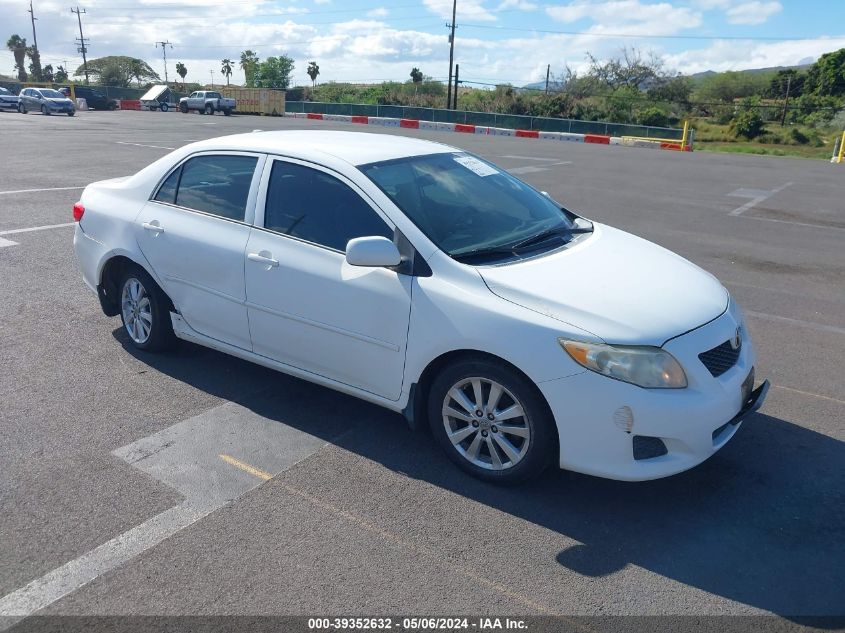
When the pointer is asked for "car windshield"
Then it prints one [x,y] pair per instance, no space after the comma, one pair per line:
[52,94]
[3,91]
[466,205]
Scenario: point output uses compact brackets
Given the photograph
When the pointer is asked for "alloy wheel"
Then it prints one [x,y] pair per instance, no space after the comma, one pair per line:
[486,423]
[136,310]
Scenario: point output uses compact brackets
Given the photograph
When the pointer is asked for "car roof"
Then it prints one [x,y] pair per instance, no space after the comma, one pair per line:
[356,148]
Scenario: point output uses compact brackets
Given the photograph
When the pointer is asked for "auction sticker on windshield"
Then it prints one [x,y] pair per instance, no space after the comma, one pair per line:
[476,166]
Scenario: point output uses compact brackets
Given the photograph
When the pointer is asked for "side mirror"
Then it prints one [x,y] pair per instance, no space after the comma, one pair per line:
[373,252]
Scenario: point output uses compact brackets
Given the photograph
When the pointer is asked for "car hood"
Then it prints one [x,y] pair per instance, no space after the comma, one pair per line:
[621,288]
[63,101]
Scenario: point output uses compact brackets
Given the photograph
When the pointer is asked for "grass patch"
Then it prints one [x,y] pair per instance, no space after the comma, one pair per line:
[793,140]
[765,149]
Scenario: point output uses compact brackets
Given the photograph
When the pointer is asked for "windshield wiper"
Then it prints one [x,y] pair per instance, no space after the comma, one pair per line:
[483,252]
[549,233]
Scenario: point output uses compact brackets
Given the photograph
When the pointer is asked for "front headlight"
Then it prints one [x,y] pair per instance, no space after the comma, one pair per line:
[649,367]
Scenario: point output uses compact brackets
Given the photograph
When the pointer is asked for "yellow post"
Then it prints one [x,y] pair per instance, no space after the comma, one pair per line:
[684,137]
[73,93]
[841,149]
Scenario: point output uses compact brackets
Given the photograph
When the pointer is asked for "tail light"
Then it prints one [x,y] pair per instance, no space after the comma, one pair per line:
[78,211]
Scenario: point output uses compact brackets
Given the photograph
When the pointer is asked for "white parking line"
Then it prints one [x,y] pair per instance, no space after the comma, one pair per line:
[5,193]
[4,242]
[757,196]
[142,145]
[819,327]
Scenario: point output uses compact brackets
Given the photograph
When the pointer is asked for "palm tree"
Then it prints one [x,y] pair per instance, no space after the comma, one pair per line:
[227,68]
[182,71]
[34,63]
[313,71]
[17,45]
[249,60]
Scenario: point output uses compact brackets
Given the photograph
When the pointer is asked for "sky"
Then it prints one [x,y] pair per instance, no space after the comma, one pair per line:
[373,40]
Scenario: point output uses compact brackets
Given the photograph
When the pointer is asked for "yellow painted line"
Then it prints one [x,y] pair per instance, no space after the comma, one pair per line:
[810,393]
[261,474]
[424,551]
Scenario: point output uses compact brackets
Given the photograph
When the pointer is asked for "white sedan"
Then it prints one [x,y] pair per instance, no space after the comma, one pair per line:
[424,279]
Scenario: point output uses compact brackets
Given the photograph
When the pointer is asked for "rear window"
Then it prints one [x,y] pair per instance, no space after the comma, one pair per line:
[212,184]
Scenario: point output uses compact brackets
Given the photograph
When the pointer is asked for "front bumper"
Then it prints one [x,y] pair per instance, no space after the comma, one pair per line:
[604,424]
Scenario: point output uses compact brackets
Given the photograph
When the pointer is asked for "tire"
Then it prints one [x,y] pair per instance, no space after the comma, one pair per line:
[209,109]
[71,113]
[22,108]
[112,106]
[227,112]
[45,110]
[164,107]
[522,452]
[140,295]
[183,108]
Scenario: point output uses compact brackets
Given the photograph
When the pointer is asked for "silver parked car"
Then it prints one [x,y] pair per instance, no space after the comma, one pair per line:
[8,101]
[46,100]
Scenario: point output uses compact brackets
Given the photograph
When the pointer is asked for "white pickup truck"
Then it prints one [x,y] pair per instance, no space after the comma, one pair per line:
[207,102]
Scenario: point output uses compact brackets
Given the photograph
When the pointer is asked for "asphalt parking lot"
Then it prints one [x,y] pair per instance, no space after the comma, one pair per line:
[109,454]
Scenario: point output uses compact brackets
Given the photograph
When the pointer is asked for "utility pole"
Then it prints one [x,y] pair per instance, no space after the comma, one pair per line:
[32,15]
[164,46]
[81,39]
[451,53]
[548,69]
[455,102]
[212,78]
[785,103]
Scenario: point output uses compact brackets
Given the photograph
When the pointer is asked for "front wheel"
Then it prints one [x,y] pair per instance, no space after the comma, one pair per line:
[183,108]
[45,110]
[144,311]
[71,113]
[209,109]
[492,421]
[21,108]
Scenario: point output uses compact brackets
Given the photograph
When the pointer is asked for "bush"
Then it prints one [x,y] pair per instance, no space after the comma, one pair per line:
[654,116]
[748,123]
[798,136]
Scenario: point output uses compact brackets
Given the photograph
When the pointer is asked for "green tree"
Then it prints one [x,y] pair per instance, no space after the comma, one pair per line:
[787,77]
[34,63]
[61,75]
[274,72]
[118,70]
[249,63]
[313,71]
[732,85]
[182,71]
[226,68]
[416,75]
[47,74]
[748,123]
[826,78]
[17,45]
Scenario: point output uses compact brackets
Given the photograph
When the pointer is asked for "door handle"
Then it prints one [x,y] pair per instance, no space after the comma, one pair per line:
[263,257]
[153,226]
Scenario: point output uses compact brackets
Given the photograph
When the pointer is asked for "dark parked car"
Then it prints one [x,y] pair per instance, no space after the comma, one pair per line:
[94,98]
[8,101]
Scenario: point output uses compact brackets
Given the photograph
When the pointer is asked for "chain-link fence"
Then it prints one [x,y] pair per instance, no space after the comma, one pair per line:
[491,119]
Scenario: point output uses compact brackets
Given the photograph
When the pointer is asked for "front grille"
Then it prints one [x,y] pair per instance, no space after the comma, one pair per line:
[719,359]
[646,447]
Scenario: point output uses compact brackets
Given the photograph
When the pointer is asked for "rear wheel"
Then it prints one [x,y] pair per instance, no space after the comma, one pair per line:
[492,421]
[209,109]
[164,107]
[227,112]
[71,113]
[144,311]
[45,110]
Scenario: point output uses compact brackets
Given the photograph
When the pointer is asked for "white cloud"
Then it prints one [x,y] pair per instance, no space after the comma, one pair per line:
[468,10]
[732,55]
[662,15]
[380,12]
[752,12]
[522,5]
